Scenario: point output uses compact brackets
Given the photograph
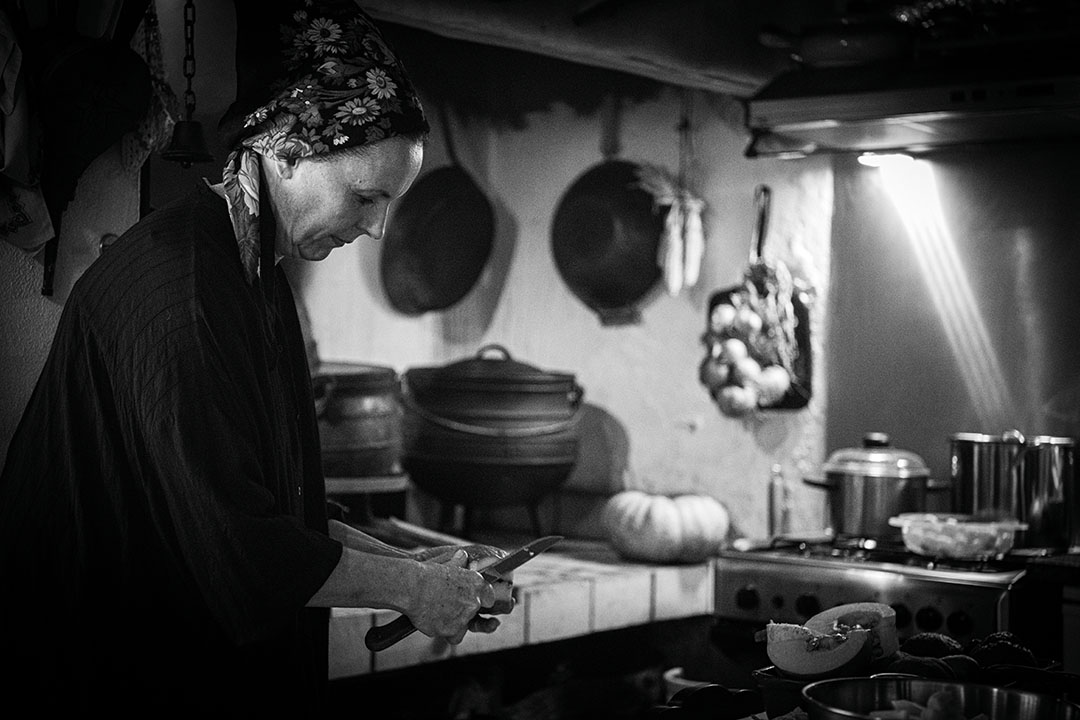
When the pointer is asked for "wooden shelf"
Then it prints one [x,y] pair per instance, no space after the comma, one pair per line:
[367,485]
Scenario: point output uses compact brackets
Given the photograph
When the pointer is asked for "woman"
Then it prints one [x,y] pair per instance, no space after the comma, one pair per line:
[164,545]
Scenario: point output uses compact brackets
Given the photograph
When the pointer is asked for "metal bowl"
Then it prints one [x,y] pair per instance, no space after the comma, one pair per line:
[856,698]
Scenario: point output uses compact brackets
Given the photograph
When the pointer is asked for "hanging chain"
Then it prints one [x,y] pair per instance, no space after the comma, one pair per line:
[189,56]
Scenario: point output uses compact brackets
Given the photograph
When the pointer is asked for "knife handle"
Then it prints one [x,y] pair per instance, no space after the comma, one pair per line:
[381,637]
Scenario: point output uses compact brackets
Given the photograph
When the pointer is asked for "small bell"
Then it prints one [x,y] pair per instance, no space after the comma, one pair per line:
[188,145]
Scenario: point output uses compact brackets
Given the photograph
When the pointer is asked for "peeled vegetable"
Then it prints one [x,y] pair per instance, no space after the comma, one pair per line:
[845,639]
[878,618]
[942,705]
[800,652]
[658,528]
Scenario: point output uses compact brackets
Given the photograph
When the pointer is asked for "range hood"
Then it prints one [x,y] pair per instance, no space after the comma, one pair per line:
[703,44]
[913,108]
[976,71]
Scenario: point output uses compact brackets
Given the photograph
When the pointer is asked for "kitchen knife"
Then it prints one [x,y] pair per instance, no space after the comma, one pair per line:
[381,637]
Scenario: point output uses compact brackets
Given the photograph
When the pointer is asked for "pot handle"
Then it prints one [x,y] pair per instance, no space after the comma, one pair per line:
[936,485]
[576,395]
[816,482]
[322,399]
[549,429]
[487,350]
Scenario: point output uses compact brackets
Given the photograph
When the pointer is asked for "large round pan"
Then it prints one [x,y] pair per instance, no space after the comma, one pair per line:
[605,237]
[438,241]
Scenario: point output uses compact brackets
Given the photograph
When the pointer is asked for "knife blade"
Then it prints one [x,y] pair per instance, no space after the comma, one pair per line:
[519,557]
[381,637]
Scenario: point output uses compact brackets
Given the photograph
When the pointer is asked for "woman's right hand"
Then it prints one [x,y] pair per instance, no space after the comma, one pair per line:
[480,557]
[448,598]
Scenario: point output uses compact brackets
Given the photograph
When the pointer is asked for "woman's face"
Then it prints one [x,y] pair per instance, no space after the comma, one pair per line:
[320,205]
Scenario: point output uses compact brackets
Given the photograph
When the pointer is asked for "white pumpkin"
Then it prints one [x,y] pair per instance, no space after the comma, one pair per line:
[659,528]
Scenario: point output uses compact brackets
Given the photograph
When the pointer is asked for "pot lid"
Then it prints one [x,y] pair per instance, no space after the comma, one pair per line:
[876,458]
[362,377]
[1014,437]
[491,366]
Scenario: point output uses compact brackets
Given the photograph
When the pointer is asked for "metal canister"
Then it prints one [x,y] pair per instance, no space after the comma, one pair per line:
[360,419]
[1051,501]
[986,473]
[1010,476]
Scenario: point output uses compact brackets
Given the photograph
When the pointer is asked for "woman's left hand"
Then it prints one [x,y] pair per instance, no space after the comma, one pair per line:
[480,557]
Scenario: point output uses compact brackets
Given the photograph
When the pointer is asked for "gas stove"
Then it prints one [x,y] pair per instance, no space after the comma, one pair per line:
[792,580]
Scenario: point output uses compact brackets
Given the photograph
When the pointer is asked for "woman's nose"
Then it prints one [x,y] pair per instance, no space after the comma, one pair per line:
[373,225]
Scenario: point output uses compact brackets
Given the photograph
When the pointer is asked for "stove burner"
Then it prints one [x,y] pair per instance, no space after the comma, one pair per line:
[854,549]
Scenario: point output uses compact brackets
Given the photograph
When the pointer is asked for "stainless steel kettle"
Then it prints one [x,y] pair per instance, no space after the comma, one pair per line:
[1030,479]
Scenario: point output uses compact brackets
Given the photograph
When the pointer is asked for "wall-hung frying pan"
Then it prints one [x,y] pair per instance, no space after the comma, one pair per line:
[438,240]
[605,237]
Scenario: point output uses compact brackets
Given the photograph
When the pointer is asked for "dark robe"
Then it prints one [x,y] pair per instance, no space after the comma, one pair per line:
[162,506]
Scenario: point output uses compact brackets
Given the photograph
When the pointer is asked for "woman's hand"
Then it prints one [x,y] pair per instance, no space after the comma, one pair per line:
[440,589]
[449,597]
[480,557]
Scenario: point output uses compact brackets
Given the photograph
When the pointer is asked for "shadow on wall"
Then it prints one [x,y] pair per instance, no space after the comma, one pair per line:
[467,322]
[574,508]
[603,453]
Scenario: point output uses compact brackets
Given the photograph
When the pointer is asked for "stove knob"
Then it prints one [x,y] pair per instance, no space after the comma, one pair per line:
[960,624]
[747,598]
[928,619]
[807,605]
[903,615]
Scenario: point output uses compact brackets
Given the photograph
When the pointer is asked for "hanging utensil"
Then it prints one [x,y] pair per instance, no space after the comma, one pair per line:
[605,234]
[439,238]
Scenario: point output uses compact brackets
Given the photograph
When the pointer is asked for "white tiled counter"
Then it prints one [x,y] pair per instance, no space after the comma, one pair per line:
[576,588]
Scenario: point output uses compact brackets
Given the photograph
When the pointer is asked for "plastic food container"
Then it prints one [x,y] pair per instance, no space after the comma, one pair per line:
[959,537]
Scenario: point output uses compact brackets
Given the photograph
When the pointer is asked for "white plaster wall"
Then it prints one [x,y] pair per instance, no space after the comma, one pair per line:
[644,376]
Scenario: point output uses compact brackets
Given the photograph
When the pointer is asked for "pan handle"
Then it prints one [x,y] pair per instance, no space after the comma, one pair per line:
[444,121]
[762,197]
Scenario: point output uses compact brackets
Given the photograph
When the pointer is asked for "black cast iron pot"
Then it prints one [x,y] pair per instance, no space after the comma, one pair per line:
[489,430]
[490,391]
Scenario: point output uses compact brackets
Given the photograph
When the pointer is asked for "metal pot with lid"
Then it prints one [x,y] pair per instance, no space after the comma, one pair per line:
[869,484]
[490,431]
[492,391]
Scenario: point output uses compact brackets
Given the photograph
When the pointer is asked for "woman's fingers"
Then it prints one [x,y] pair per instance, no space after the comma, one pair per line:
[454,610]
[504,599]
[487,597]
[483,624]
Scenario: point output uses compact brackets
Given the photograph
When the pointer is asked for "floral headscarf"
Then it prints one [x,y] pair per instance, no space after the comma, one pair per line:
[343,86]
